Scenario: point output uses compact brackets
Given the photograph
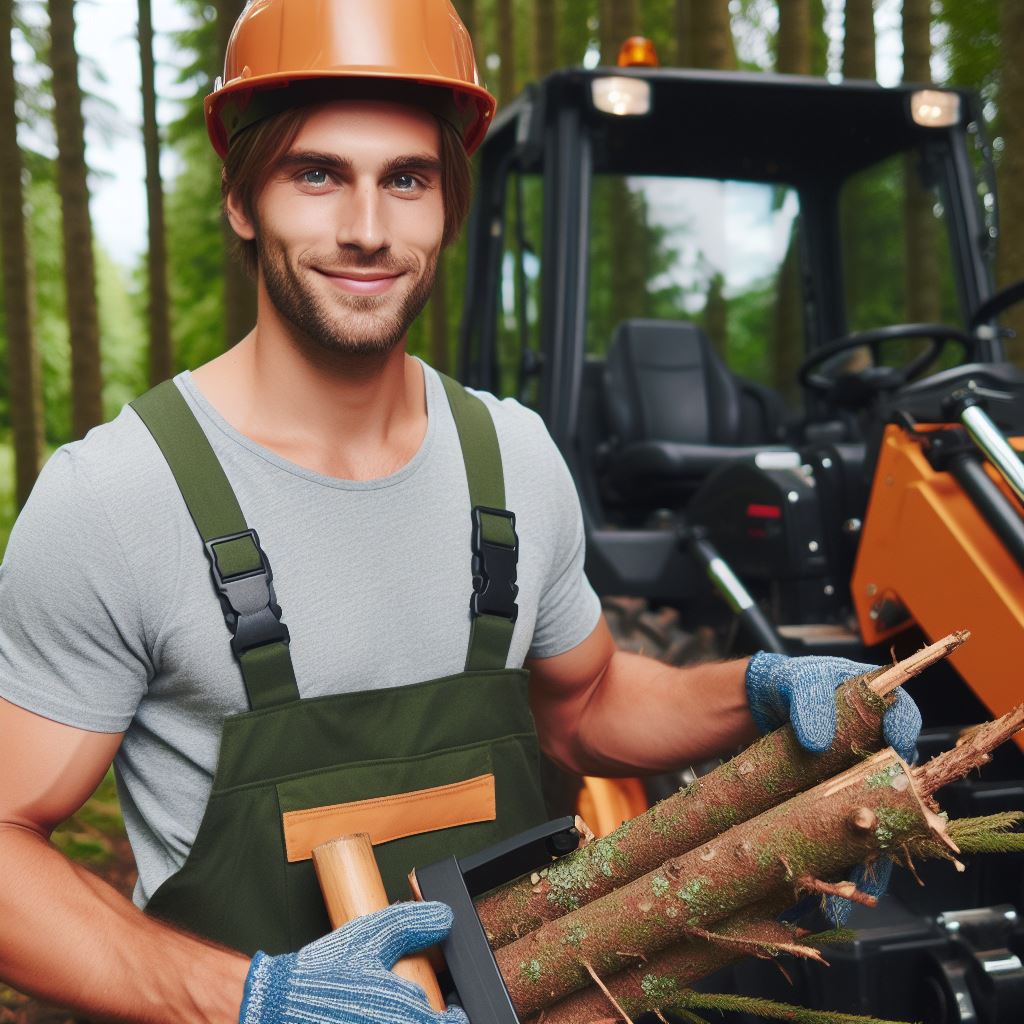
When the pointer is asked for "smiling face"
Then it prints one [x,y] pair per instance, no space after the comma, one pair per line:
[349,226]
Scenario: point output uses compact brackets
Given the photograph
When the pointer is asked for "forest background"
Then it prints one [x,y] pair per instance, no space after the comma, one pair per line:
[83,329]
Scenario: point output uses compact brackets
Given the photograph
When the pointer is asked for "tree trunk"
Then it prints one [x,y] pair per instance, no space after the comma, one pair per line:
[716,316]
[545,21]
[923,294]
[859,40]
[506,50]
[239,288]
[712,45]
[620,19]
[794,58]
[684,33]
[440,331]
[858,63]
[819,39]
[1011,162]
[79,267]
[771,770]
[161,353]
[794,40]
[24,385]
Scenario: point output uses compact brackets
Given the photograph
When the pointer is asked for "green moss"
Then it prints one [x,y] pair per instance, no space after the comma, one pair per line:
[574,936]
[659,987]
[531,971]
[870,699]
[691,890]
[662,823]
[894,826]
[659,886]
[884,777]
[723,816]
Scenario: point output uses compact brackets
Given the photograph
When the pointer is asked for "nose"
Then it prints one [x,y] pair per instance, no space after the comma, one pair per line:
[363,220]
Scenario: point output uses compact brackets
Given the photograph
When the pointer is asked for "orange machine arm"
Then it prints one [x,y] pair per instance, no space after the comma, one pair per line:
[926,547]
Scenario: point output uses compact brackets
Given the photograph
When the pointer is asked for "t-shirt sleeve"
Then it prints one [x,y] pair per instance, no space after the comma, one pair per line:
[72,645]
[569,608]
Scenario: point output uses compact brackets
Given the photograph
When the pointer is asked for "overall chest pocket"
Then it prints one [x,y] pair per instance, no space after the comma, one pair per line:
[416,809]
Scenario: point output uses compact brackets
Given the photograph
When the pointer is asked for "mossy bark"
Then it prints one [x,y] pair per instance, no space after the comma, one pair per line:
[820,833]
[766,774]
[685,963]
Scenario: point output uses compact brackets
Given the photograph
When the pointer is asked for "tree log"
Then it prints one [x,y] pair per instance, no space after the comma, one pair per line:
[818,834]
[767,773]
[645,989]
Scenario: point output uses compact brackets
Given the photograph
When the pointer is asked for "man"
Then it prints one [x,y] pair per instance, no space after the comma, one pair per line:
[383,495]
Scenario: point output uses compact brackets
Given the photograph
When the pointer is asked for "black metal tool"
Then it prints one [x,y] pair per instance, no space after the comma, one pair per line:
[473,980]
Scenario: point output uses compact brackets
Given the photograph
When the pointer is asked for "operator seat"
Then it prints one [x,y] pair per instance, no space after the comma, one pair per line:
[675,412]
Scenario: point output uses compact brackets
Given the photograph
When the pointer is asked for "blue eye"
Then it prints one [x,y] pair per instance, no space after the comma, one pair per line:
[315,176]
[400,178]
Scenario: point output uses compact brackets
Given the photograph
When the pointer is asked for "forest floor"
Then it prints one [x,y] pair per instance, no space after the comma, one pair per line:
[95,838]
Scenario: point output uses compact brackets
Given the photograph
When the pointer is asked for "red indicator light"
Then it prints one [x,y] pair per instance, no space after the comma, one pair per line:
[764,512]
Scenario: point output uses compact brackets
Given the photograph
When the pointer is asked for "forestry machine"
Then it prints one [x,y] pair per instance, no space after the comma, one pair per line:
[697,278]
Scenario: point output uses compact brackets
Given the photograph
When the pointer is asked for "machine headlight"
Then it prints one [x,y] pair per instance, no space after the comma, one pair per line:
[625,97]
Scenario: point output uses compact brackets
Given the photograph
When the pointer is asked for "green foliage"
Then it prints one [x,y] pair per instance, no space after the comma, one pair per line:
[993,833]
[7,511]
[970,48]
[194,241]
[690,1000]
[872,211]
[195,251]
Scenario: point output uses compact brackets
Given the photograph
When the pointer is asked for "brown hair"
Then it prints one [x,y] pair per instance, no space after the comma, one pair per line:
[254,154]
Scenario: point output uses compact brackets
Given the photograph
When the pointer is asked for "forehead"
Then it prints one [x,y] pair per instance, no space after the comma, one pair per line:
[353,127]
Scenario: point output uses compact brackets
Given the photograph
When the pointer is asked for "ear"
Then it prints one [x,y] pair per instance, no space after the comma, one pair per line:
[239,220]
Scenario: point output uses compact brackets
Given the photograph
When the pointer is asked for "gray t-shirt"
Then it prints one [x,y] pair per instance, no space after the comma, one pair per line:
[109,620]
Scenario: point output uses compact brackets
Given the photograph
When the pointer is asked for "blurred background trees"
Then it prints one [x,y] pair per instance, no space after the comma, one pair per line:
[82,332]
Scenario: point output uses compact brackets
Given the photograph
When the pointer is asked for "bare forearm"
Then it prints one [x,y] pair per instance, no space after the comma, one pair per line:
[645,717]
[68,938]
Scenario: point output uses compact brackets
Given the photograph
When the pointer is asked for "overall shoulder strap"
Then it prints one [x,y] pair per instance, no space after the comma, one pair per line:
[495,545]
[239,566]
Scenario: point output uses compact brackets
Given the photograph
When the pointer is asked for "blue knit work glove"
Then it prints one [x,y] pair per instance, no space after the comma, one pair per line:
[346,976]
[801,691]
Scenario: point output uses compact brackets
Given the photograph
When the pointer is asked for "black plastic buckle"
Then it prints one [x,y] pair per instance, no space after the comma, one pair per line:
[494,569]
[248,599]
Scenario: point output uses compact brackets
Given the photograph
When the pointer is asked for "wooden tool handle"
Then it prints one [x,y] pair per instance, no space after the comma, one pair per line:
[352,887]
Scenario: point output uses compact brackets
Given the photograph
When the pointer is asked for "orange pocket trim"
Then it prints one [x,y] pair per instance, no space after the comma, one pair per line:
[390,817]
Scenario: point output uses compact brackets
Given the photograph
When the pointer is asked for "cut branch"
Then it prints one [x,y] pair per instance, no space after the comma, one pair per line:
[974,750]
[903,671]
[845,890]
[767,773]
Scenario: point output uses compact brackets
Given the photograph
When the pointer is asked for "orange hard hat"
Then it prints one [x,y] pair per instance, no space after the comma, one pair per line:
[418,50]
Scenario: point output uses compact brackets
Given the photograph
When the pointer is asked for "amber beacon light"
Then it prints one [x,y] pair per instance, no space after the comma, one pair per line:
[638,52]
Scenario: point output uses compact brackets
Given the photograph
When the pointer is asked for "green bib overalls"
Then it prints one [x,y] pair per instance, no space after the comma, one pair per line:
[431,769]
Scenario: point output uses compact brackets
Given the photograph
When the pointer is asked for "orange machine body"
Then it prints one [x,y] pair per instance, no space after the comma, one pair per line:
[926,546]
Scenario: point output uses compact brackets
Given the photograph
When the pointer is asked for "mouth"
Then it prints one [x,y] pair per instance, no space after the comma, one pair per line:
[374,283]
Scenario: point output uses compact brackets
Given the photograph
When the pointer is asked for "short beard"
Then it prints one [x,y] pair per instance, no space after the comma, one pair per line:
[308,313]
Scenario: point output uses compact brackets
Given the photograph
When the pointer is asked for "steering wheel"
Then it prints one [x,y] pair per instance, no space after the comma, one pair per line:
[857,388]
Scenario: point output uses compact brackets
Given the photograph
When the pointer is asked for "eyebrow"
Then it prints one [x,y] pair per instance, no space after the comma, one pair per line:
[423,162]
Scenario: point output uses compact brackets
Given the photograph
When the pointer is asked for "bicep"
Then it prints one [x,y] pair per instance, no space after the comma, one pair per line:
[48,769]
[561,687]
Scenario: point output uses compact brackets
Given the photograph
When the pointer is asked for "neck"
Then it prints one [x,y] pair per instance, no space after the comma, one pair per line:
[347,415]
